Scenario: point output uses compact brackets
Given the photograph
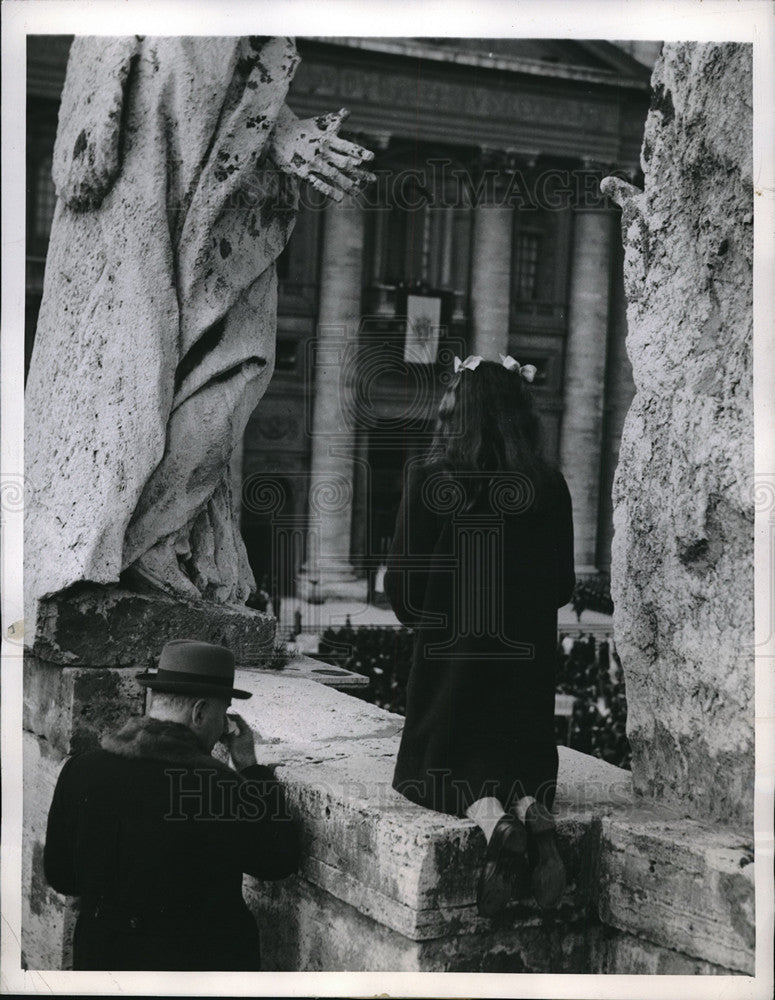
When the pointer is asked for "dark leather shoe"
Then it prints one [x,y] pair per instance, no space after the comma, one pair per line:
[548,876]
[502,863]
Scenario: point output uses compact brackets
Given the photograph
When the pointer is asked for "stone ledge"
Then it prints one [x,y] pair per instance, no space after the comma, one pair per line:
[681,884]
[617,953]
[71,707]
[328,674]
[414,871]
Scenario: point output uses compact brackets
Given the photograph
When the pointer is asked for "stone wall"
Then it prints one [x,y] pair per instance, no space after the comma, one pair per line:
[385,885]
[79,682]
[682,570]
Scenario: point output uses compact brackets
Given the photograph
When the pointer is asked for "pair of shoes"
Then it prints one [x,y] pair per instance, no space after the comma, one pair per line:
[548,875]
[505,854]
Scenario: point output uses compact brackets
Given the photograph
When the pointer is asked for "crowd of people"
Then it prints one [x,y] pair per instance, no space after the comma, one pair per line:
[588,669]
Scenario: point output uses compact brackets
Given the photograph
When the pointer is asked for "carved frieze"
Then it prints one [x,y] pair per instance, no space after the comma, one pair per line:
[455,99]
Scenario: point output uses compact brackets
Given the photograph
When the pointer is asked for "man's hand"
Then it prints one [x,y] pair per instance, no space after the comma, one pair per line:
[241,744]
[310,148]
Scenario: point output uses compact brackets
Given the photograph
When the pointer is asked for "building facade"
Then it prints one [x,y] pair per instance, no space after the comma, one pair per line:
[485,233]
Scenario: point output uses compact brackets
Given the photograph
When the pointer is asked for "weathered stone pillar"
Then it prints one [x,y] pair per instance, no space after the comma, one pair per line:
[682,568]
[327,570]
[491,279]
[581,436]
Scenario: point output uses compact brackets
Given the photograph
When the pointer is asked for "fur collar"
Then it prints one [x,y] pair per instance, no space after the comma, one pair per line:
[144,738]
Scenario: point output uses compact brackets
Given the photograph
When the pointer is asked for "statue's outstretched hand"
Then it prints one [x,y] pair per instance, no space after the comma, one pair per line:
[311,148]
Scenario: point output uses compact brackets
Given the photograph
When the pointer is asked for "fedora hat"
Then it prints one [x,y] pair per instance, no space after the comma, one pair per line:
[187,666]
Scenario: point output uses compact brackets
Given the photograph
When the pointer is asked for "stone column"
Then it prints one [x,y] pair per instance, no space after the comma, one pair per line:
[682,570]
[491,279]
[581,436]
[327,571]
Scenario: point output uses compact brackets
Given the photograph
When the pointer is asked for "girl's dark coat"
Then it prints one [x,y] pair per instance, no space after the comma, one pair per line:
[154,835]
[481,587]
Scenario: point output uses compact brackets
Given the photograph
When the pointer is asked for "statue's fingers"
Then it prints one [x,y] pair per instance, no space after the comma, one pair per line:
[324,187]
[348,164]
[345,148]
[352,177]
[327,170]
[357,177]
[349,184]
[300,167]
[339,117]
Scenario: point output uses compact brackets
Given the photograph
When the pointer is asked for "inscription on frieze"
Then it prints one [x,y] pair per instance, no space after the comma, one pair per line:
[449,97]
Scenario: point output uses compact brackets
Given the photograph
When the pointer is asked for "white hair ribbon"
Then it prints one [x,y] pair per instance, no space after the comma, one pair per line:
[471,362]
[528,372]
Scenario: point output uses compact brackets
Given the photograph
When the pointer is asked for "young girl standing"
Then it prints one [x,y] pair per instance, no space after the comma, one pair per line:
[481,560]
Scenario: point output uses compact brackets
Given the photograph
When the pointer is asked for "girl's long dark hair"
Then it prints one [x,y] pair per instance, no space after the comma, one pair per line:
[487,424]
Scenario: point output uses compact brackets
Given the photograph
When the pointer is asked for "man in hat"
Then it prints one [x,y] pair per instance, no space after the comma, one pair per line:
[154,834]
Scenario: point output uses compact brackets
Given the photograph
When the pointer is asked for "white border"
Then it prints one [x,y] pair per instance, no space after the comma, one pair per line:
[746,20]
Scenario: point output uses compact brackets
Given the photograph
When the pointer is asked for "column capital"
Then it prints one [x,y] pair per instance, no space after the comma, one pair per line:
[497,173]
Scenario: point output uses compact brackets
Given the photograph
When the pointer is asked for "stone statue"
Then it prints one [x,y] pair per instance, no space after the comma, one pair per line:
[176,168]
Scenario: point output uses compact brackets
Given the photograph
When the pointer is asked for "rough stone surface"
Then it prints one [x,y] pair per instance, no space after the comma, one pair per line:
[680,885]
[111,627]
[619,954]
[387,885]
[48,919]
[71,708]
[304,927]
[156,331]
[682,568]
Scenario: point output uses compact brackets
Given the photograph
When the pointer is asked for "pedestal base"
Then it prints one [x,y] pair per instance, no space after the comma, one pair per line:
[95,626]
[79,683]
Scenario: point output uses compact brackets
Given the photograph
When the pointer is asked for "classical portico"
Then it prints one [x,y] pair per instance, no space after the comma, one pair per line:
[486,195]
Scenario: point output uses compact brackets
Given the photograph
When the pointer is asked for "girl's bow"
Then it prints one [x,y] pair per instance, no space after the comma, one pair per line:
[471,362]
[528,372]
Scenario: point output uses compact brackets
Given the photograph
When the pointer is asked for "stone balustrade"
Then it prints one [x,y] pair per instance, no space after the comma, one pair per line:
[385,885]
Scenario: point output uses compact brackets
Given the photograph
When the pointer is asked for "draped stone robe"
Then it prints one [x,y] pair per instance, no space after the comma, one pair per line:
[157,327]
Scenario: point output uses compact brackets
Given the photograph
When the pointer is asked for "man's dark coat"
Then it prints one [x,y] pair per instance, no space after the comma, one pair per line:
[478,566]
[154,835]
